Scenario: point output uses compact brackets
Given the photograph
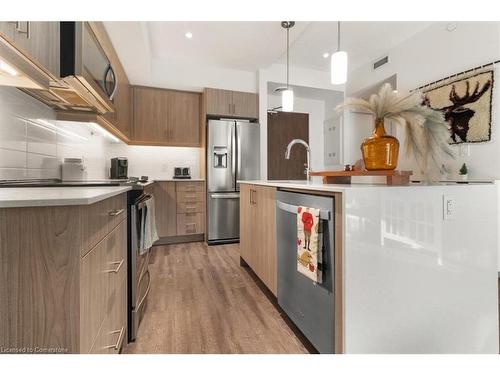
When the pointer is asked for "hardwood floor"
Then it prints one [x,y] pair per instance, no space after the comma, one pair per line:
[202,301]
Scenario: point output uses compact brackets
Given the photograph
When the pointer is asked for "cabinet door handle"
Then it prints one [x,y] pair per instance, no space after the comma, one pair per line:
[118,343]
[120,264]
[234,109]
[28,27]
[116,212]
[252,196]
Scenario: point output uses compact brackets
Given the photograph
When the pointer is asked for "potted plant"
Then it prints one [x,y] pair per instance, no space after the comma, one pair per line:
[463,172]
[427,132]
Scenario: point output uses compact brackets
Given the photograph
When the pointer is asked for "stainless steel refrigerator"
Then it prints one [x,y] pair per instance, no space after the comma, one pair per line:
[233,153]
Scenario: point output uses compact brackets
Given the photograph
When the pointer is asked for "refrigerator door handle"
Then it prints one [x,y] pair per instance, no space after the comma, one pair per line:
[233,151]
[238,152]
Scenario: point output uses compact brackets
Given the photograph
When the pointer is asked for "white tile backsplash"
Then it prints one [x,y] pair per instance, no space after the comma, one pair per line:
[156,162]
[33,145]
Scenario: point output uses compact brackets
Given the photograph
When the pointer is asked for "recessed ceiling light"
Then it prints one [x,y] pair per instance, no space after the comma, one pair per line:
[325,55]
[188,35]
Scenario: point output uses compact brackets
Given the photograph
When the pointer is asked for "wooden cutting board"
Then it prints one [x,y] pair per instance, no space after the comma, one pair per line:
[344,177]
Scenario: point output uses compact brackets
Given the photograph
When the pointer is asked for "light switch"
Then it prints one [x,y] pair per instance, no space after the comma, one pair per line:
[449,207]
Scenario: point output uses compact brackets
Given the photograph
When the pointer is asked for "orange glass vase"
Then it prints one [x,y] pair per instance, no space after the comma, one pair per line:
[380,151]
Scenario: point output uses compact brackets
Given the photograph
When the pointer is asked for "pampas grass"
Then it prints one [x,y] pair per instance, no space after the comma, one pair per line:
[427,132]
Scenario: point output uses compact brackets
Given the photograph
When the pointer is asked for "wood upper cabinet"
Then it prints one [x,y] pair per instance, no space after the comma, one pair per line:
[150,115]
[184,118]
[231,103]
[39,41]
[258,232]
[245,104]
[219,102]
[166,117]
[7,30]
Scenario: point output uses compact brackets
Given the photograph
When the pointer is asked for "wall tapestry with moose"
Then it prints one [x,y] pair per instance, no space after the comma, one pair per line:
[466,104]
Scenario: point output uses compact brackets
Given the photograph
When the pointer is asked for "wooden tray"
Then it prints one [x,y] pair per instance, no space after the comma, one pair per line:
[344,177]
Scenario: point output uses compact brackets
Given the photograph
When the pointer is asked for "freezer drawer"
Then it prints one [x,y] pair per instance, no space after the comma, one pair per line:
[223,217]
[310,306]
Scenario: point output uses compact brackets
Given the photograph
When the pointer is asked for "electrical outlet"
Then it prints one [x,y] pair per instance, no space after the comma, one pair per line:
[449,207]
[464,150]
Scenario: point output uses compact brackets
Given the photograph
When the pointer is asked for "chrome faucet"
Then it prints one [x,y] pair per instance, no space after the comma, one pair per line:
[308,150]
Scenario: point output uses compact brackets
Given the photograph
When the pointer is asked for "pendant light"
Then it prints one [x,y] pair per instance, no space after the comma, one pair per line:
[339,63]
[287,93]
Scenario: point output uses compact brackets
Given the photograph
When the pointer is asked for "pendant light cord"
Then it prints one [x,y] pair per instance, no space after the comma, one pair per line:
[338,36]
[287,57]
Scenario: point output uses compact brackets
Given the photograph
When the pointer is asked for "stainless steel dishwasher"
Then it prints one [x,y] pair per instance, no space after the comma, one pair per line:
[310,306]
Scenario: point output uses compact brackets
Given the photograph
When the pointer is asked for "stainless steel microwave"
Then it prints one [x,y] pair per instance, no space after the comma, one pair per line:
[85,66]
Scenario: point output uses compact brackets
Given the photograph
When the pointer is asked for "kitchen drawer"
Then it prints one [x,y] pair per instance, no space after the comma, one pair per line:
[190,196]
[116,259]
[190,186]
[103,271]
[95,219]
[101,218]
[93,295]
[190,223]
[113,331]
[117,210]
[190,207]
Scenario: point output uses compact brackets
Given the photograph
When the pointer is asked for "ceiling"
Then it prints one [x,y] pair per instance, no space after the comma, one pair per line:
[231,45]
[250,46]
[364,41]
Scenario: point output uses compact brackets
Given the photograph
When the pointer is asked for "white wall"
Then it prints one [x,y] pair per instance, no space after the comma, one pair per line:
[436,53]
[196,76]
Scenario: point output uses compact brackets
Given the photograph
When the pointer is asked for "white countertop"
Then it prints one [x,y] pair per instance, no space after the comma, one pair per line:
[57,196]
[179,179]
[317,185]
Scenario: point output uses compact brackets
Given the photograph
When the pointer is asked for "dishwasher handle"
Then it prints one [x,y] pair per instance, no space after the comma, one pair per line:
[323,214]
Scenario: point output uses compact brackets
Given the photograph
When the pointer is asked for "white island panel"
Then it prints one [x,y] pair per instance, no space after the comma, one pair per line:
[415,282]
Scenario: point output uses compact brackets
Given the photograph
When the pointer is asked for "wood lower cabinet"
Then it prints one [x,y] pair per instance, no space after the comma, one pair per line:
[58,295]
[231,103]
[165,208]
[258,232]
[166,117]
[180,210]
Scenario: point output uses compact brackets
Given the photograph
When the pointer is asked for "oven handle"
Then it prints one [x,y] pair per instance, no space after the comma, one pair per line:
[225,195]
[323,214]
[146,293]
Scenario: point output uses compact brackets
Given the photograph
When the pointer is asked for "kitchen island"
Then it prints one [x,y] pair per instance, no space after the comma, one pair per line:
[415,266]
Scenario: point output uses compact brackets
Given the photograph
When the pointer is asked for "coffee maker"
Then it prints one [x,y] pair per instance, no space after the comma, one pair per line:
[119,169]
